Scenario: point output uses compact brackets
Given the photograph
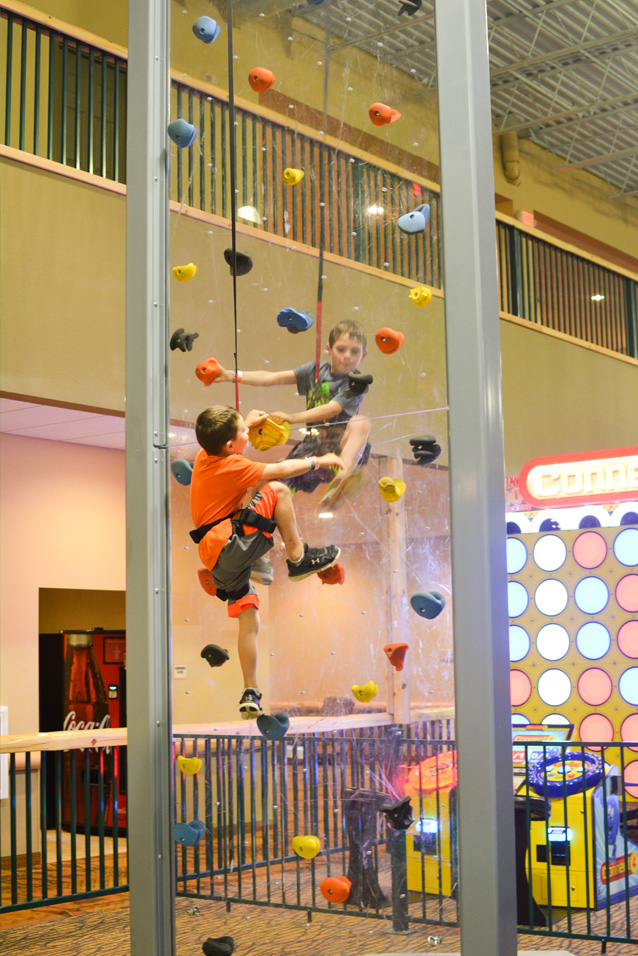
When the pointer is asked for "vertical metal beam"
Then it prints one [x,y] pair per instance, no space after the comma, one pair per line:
[152,877]
[481,659]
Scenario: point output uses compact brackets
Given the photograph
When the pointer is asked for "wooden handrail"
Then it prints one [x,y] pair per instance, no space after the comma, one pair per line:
[118,736]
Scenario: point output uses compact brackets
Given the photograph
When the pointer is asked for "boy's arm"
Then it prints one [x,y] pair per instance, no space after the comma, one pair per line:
[320,413]
[257,378]
[291,467]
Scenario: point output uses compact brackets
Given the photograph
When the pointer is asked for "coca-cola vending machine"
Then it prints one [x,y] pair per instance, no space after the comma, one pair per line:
[89,691]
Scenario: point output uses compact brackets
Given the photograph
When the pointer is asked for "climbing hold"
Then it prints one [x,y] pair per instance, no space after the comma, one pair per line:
[189,765]
[365,692]
[388,341]
[183,134]
[215,655]
[260,79]
[381,115]
[396,654]
[359,382]
[410,7]
[206,581]
[295,320]
[189,834]
[206,29]
[242,263]
[182,471]
[306,846]
[220,946]
[273,727]
[268,434]
[207,371]
[425,449]
[427,604]
[183,340]
[335,889]
[333,575]
[184,273]
[416,220]
[391,489]
[293,176]
[421,295]
[399,815]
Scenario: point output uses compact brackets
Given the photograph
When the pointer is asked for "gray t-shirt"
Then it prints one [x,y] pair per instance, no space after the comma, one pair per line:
[330,386]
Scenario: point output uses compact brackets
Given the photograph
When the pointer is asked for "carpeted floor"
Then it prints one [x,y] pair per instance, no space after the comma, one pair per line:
[101,928]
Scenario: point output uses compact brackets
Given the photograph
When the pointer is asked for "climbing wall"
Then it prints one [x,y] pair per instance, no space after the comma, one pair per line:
[303,197]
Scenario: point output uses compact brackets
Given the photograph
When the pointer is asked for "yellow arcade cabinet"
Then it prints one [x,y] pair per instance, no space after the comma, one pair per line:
[431,840]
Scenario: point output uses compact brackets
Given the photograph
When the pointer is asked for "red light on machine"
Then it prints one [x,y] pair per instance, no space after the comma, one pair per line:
[597,477]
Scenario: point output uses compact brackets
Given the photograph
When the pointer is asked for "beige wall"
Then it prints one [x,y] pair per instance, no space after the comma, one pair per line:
[575,197]
[63,526]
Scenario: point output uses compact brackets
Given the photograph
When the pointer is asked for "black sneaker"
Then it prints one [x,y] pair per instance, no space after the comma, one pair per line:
[312,561]
[249,706]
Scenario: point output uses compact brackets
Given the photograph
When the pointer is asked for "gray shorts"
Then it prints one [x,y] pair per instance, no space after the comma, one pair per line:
[236,560]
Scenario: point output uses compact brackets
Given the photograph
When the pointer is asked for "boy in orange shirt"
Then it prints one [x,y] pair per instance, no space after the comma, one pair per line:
[231,539]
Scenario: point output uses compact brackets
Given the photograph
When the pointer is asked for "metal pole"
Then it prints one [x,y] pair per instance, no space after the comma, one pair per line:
[481,659]
[150,846]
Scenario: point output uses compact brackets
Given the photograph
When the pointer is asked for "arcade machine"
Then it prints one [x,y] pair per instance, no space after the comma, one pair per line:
[431,840]
[579,855]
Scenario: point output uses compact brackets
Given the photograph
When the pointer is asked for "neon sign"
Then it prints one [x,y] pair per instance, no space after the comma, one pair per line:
[597,477]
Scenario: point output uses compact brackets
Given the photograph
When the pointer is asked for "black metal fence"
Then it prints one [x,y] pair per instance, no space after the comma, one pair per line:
[65,99]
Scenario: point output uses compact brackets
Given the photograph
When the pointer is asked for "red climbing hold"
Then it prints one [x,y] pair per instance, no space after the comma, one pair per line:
[333,575]
[335,889]
[381,114]
[207,371]
[388,341]
[261,79]
[206,581]
[396,654]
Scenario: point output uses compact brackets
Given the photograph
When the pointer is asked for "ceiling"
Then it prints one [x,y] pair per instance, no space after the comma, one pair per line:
[51,422]
[564,73]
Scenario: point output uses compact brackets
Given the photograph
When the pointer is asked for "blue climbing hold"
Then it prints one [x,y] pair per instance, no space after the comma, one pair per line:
[295,320]
[427,603]
[189,834]
[182,471]
[414,221]
[206,29]
[182,133]
[273,727]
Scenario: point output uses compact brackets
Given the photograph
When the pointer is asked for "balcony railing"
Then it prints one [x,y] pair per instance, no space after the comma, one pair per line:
[65,100]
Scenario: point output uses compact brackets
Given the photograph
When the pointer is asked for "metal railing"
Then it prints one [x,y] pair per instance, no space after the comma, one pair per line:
[63,827]
[65,99]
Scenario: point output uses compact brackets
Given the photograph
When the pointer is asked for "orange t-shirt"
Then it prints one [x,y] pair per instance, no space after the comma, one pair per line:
[218,486]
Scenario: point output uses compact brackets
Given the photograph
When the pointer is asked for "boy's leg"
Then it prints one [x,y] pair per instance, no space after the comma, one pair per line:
[302,560]
[248,621]
[352,447]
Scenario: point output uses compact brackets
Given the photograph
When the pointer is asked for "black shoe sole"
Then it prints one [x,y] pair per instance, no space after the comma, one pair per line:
[250,713]
[307,574]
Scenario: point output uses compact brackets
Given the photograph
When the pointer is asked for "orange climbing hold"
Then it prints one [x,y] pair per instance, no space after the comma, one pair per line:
[396,654]
[333,575]
[381,114]
[388,340]
[335,889]
[206,581]
[261,79]
[207,371]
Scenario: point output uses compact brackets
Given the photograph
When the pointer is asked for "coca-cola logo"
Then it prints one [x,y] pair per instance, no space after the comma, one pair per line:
[70,723]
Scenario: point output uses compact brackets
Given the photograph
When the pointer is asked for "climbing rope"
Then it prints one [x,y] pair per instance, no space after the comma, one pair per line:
[233,184]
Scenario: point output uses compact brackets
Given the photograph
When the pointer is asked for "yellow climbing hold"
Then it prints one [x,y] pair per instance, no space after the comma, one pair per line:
[268,434]
[421,295]
[391,489]
[365,692]
[293,176]
[189,765]
[306,846]
[185,273]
